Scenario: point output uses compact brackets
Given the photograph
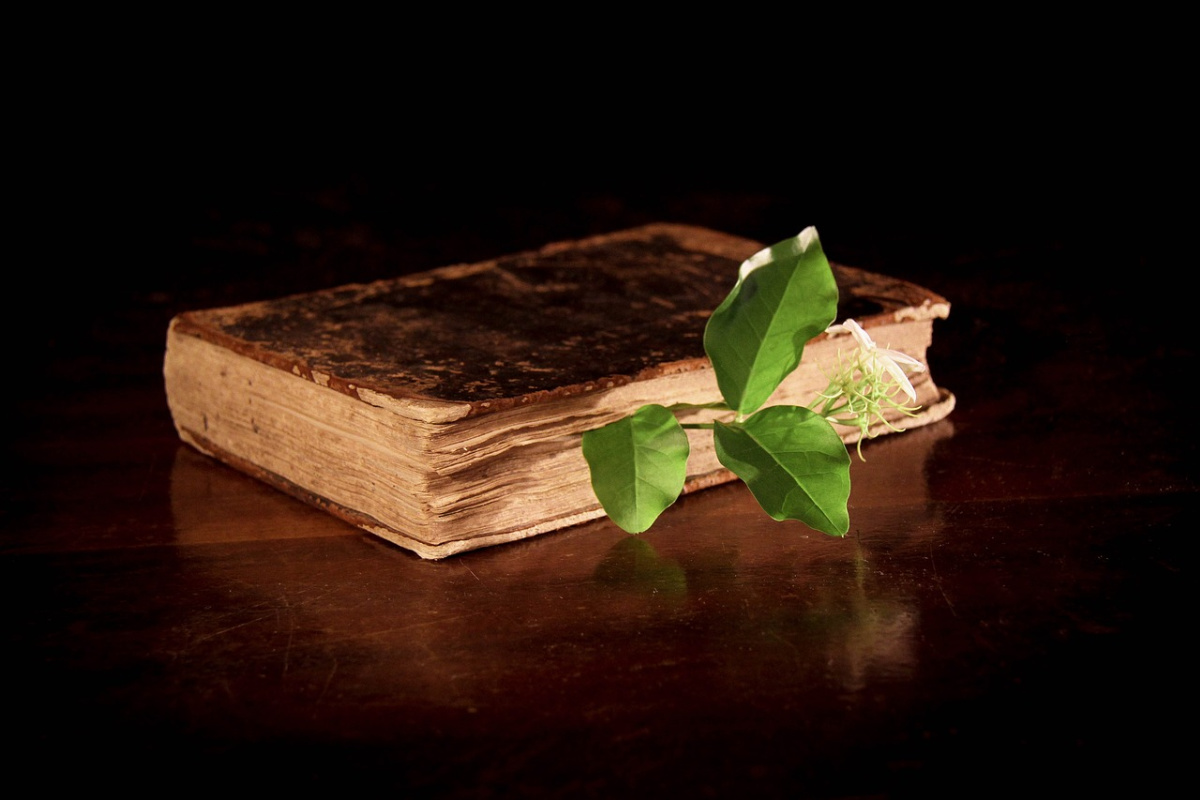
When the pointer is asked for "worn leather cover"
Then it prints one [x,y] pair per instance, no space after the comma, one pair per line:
[569,318]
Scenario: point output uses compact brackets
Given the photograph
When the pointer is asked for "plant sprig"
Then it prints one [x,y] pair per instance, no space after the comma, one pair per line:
[791,458]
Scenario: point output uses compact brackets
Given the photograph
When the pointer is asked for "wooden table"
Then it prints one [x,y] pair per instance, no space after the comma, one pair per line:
[1009,611]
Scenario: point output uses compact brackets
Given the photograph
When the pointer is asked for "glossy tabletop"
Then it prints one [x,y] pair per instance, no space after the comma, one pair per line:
[1009,610]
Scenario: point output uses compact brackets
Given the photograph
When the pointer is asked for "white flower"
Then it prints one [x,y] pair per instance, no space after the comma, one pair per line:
[877,358]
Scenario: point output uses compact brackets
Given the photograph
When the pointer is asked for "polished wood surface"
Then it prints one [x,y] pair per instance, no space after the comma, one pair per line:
[1009,611]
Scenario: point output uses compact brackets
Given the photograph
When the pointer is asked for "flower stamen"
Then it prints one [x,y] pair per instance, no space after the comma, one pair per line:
[865,386]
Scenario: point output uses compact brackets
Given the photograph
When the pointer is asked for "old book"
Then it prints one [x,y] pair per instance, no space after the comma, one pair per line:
[443,410]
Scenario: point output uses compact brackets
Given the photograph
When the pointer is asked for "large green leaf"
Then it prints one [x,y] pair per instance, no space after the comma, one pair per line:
[784,296]
[793,462]
[638,466]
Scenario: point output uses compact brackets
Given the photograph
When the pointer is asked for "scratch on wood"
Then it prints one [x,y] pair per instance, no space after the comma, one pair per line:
[328,683]
[937,579]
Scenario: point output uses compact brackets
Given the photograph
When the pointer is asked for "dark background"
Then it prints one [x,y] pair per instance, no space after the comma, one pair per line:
[1042,187]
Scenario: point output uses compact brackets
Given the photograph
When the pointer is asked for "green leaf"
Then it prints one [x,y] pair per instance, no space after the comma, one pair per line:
[785,295]
[638,466]
[793,462]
